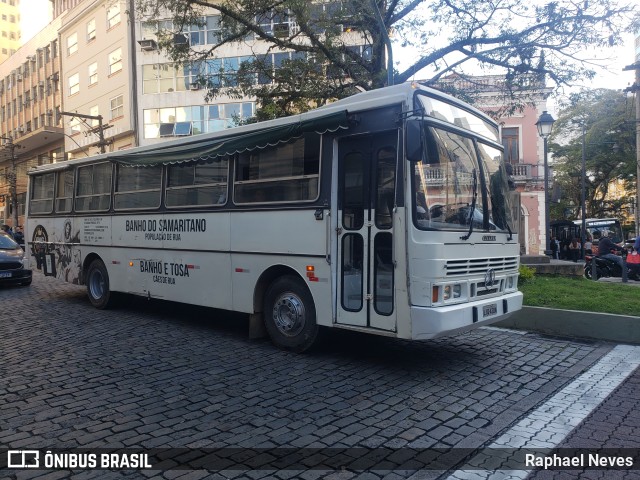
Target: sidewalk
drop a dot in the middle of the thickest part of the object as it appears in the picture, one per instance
(555, 265)
(619, 280)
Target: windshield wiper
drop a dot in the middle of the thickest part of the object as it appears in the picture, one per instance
(472, 210)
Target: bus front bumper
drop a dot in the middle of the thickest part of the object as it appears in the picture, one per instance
(434, 322)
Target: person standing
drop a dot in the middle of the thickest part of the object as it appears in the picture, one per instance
(574, 250)
(7, 230)
(588, 246)
(633, 264)
(555, 248)
(18, 236)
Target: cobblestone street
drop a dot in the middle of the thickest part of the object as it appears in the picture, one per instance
(154, 375)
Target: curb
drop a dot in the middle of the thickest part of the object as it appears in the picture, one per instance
(574, 323)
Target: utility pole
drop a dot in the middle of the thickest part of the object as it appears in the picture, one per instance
(99, 130)
(12, 179)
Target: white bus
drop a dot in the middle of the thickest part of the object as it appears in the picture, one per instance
(387, 212)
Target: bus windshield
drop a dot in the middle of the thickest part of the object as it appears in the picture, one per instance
(448, 184)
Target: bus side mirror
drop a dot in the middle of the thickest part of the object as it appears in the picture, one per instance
(413, 140)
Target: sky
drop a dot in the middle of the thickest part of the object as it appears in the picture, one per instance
(35, 15)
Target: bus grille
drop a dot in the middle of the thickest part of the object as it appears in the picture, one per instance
(479, 266)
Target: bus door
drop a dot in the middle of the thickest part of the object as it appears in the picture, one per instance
(366, 194)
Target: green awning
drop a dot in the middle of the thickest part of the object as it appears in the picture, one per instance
(208, 148)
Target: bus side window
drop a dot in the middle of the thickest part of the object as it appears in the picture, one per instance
(288, 172)
(137, 187)
(42, 194)
(197, 184)
(64, 191)
(93, 190)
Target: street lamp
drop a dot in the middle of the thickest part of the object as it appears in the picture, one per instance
(544, 125)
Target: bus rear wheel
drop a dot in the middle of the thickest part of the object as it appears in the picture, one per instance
(98, 285)
(290, 314)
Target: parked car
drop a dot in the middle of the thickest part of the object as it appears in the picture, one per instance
(12, 271)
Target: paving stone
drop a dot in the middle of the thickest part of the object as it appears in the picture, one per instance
(169, 376)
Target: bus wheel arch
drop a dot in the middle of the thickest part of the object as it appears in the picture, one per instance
(96, 278)
(287, 308)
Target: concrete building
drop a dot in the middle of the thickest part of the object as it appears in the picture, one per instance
(171, 103)
(9, 28)
(30, 104)
(98, 78)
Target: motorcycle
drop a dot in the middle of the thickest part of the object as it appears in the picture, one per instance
(605, 268)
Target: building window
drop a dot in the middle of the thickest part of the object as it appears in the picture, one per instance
(117, 107)
(113, 16)
(510, 140)
(72, 44)
(93, 73)
(74, 84)
(115, 61)
(194, 120)
(154, 30)
(94, 112)
(91, 30)
(74, 125)
(195, 33)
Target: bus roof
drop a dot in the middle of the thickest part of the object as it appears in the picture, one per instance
(328, 118)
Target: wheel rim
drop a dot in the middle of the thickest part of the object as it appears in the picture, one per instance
(289, 314)
(96, 284)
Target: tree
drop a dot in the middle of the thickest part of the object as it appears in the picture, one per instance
(609, 138)
(338, 47)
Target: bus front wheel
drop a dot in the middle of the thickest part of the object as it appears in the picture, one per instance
(98, 285)
(290, 314)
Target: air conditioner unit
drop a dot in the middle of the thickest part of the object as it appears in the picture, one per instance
(180, 39)
(148, 45)
(56, 76)
(41, 83)
(31, 58)
(20, 129)
(19, 77)
(195, 86)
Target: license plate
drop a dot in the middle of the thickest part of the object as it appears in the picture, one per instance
(489, 310)
(5, 274)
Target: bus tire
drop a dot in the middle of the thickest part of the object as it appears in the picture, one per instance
(98, 290)
(290, 314)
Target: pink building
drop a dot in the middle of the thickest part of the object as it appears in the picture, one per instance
(524, 149)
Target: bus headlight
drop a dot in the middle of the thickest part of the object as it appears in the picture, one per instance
(452, 291)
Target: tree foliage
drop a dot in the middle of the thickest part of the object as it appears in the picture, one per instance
(445, 37)
(609, 141)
